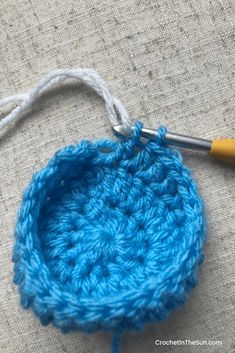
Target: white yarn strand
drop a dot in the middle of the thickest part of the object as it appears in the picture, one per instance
(117, 113)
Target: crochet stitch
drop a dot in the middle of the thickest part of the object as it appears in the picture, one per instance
(109, 236)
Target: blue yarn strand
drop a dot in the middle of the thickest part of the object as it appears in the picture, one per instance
(116, 341)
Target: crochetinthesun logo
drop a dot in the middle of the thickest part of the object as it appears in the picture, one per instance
(188, 343)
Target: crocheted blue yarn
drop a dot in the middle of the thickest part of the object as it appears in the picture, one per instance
(109, 235)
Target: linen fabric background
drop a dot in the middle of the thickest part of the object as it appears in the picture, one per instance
(171, 63)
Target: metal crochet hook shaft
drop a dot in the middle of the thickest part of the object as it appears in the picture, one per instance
(171, 138)
(221, 148)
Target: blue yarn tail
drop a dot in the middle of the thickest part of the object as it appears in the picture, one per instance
(116, 341)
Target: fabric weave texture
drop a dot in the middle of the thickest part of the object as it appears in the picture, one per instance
(109, 235)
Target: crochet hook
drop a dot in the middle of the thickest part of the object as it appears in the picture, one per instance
(223, 149)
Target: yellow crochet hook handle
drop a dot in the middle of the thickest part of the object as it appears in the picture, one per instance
(223, 149)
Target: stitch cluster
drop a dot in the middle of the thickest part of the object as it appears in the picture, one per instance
(109, 235)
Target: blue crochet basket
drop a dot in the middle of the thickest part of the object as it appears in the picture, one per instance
(109, 235)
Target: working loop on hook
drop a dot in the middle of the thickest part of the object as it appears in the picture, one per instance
(116, 111)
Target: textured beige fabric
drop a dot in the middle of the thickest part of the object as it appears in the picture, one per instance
(170, 62)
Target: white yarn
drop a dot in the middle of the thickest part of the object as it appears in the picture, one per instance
(117, 114)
